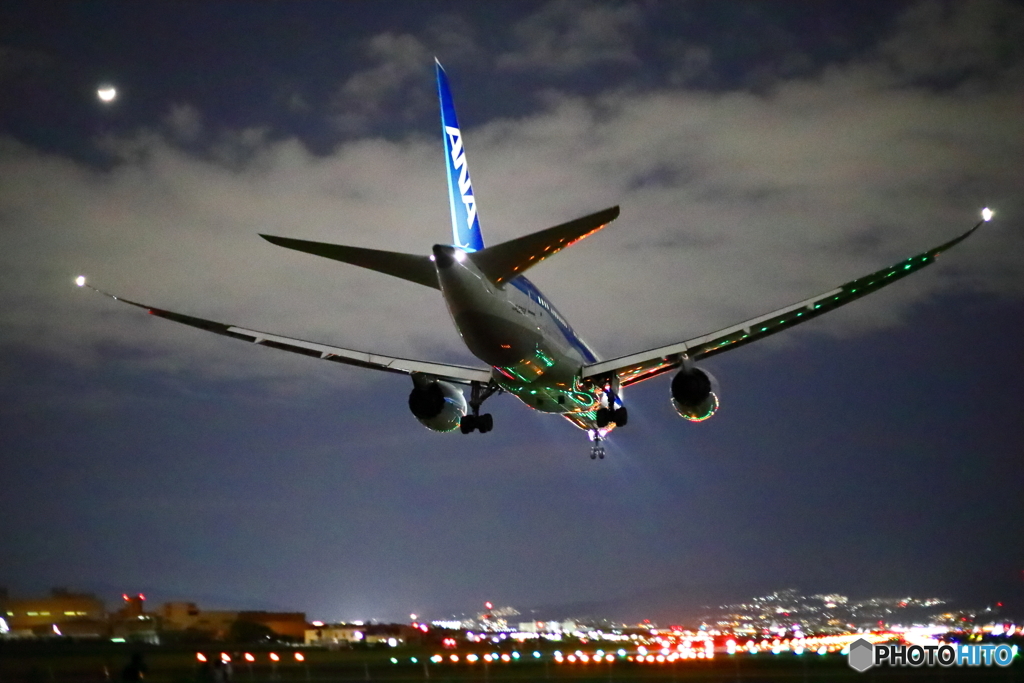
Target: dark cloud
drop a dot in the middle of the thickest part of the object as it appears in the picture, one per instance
(945, 43)
(567, 35)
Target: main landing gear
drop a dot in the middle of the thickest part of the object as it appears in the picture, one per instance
(475, 421)
(609, 414)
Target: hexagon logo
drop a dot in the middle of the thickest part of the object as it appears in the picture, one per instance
(862, 655)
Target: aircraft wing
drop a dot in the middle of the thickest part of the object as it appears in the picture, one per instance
(647, 364)
(459, 374)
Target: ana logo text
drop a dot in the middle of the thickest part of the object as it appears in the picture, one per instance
(459, 162)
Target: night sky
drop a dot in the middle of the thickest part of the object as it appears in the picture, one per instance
(761, 153)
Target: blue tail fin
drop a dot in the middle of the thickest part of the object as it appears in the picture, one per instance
(465, 222)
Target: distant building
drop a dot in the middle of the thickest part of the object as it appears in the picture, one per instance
(548, 627)
(334, 635)
(181, 616)
(37, 615)
(346, 635)
(290, 624)
(184, 616)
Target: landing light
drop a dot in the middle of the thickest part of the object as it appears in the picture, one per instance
(80, 281)
(986, 214)
(460, 256)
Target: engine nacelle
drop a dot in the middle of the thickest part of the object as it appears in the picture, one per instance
(438, 405)
(694, 394)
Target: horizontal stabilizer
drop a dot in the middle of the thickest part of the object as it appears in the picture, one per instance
(418, 269)
(507, 260)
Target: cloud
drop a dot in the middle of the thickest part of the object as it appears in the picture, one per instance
(942, 43)
(399, 60)
(566, 35)
(397, 86)
(185, 123)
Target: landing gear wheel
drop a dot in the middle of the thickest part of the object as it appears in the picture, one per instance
(475, 421)
(603, 417)
(479, 423)
(620, 417)
(485, 423)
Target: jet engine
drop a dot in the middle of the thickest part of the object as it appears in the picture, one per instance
(438, 405)
(693, 394)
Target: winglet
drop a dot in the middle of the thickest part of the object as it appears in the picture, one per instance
(461, 199)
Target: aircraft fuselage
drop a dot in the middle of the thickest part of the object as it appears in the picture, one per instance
(533, 352)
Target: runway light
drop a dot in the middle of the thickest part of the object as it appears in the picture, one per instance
(249, 658)
(200, 657)
(274, 657)
(299, 657)
(986, 214)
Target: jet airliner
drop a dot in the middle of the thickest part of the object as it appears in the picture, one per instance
(529, 348)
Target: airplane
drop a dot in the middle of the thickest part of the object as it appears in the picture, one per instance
(529, 348)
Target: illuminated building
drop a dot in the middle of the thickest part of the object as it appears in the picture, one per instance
(346, 635)
(62, 607)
